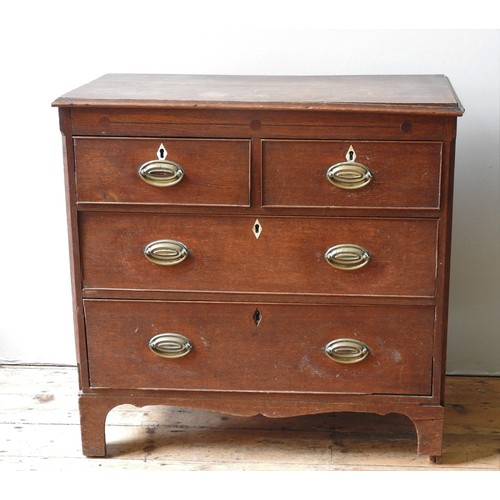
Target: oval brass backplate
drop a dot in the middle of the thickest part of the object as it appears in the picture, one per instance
(349, 175)
(346, 351)
(166, 252)
(170, 345)
(161, 173)
(347, 256)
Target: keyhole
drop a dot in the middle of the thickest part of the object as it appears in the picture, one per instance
(257, 229)
(257, 317)
(162, 152)
(351, 154)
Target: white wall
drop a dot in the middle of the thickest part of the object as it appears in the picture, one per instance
(51, 47)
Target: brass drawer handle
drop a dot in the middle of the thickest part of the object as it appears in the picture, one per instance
(166, 252)
(347, 256)
(161, 173)
(170, 345)
(349, 175)
(346, 351)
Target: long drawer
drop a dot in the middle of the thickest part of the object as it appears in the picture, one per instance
(259, 347)
(359, 174)
(163, 171)
(311, 255)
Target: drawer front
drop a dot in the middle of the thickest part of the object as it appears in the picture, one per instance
(212, 172)
(285, 351)
(391, 175)
(223, 254)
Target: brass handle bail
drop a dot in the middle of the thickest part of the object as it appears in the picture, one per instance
(349, 175)
(346, 351)
(170, 345)
(161, 173)
(347, 256)
(166, 252)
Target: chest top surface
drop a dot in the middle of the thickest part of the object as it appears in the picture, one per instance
(417, 94)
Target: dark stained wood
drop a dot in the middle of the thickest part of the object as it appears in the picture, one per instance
(223, 123)
(74, 244)
(409, 93)
(273, 137)
(288, 257)
(428, 419)
(285, 298)
(405, 174)
(256, 210)
(92, 424)
(284, 353)
(216, 172)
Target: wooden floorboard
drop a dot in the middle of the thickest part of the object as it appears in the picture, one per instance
(39, 430)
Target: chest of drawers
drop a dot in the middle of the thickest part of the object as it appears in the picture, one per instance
(261, 245)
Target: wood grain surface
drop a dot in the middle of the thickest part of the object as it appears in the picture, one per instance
(216, 172)
(39, 425)
(284, 352)
(288, 257)
(405, 174)
(411, 93)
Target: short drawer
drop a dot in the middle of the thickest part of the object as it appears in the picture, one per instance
(163, 171)
(351, 174)
(222, 347)
(291, 255)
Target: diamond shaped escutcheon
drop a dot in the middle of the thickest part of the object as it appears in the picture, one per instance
(257, 228)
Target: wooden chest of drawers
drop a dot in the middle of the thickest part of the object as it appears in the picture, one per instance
(272, 245)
